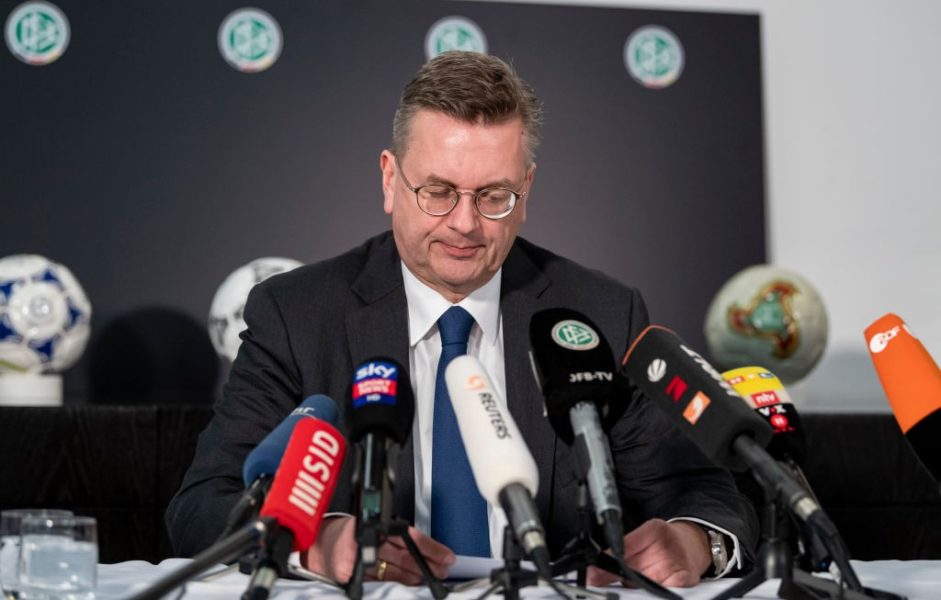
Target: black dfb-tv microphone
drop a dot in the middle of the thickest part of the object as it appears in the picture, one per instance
(575, 368)
(383, 408)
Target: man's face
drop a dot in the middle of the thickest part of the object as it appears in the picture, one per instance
(459, 252)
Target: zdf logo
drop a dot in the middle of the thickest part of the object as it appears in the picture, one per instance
(880, 341)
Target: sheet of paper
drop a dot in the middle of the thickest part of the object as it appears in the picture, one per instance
(474, 567)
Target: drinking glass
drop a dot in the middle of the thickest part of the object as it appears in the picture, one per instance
(59, 557)
(10, 523)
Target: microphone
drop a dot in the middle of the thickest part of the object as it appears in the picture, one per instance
(300, 493)
(383, 408)
(503, 467)
(575, 368)
(765, 394)
(708, 410)
(266, 456)
(262, 462)
(912, 383)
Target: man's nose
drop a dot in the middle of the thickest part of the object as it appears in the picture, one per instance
(464, 218)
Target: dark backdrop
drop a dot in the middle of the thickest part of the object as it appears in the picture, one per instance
(152, 169)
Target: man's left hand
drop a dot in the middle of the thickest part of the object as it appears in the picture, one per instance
(672, 554)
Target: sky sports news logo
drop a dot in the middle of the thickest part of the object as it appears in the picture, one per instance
(375, 383)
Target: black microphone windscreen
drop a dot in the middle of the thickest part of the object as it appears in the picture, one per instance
(382, 400)
(573, 363)
(925, 438)
(693, 394)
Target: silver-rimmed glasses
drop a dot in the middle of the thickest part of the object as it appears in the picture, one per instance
(438, 199)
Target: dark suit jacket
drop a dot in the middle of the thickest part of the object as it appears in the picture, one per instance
(308, 328)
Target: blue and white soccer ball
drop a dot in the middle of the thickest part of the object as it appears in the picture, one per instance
(225, 313)
(45, 317)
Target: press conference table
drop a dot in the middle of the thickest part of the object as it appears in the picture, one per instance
(917, 579)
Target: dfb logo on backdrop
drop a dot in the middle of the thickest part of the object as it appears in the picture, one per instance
(37, 33)
(654, 57)
(454, 33)
(250, 40)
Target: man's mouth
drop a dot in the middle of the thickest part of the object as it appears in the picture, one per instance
(460, 251)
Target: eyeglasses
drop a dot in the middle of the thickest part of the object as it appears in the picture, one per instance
(438, 199)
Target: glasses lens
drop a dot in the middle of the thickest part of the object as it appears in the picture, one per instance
(496, 202)
(437, 199)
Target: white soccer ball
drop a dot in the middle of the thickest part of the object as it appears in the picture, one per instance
(225, 313)
(45, 317)
(770, 317)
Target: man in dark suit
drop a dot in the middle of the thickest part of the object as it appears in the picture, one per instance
(466, 126)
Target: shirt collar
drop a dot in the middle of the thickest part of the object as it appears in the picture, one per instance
(425, 307)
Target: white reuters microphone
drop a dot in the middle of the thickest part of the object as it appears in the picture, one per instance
(503, 466)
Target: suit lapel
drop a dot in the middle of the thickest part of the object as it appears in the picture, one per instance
(380, 328)
(523, 283)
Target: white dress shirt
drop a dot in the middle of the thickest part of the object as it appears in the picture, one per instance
(425, 307)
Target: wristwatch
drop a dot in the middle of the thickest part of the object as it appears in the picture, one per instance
(720, 552)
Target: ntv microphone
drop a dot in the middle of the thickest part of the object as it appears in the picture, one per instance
(262, 462)
(575, 368)
(383, 408)
(300, 493)
(765, 394)
(912, 383)
(503, 467)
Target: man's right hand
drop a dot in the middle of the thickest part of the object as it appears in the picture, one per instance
(334, 554)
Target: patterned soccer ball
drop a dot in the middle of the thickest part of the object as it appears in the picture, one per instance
(770, 317)
(225, 313)
(45, 317)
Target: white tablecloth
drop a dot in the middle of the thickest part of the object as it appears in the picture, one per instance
(919, 580)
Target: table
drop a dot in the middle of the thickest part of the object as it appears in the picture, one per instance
(918, 579)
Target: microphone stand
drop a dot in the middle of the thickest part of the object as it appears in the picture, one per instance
(512, 577)
(776, 561)
(582, 551)
(376, 531)
(223, 551)
(271, 563)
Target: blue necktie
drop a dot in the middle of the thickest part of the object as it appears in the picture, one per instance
(458, 512)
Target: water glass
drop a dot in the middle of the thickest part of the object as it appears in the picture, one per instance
(10, 524)
(59, 557)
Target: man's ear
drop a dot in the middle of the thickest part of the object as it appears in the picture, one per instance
(529, 188)
(389, 175)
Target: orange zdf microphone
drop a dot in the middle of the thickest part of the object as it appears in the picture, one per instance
(912, 383)
(299, 496)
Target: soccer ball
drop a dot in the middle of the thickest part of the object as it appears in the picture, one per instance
(225, 313)
(45, 317)
(769, 317)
